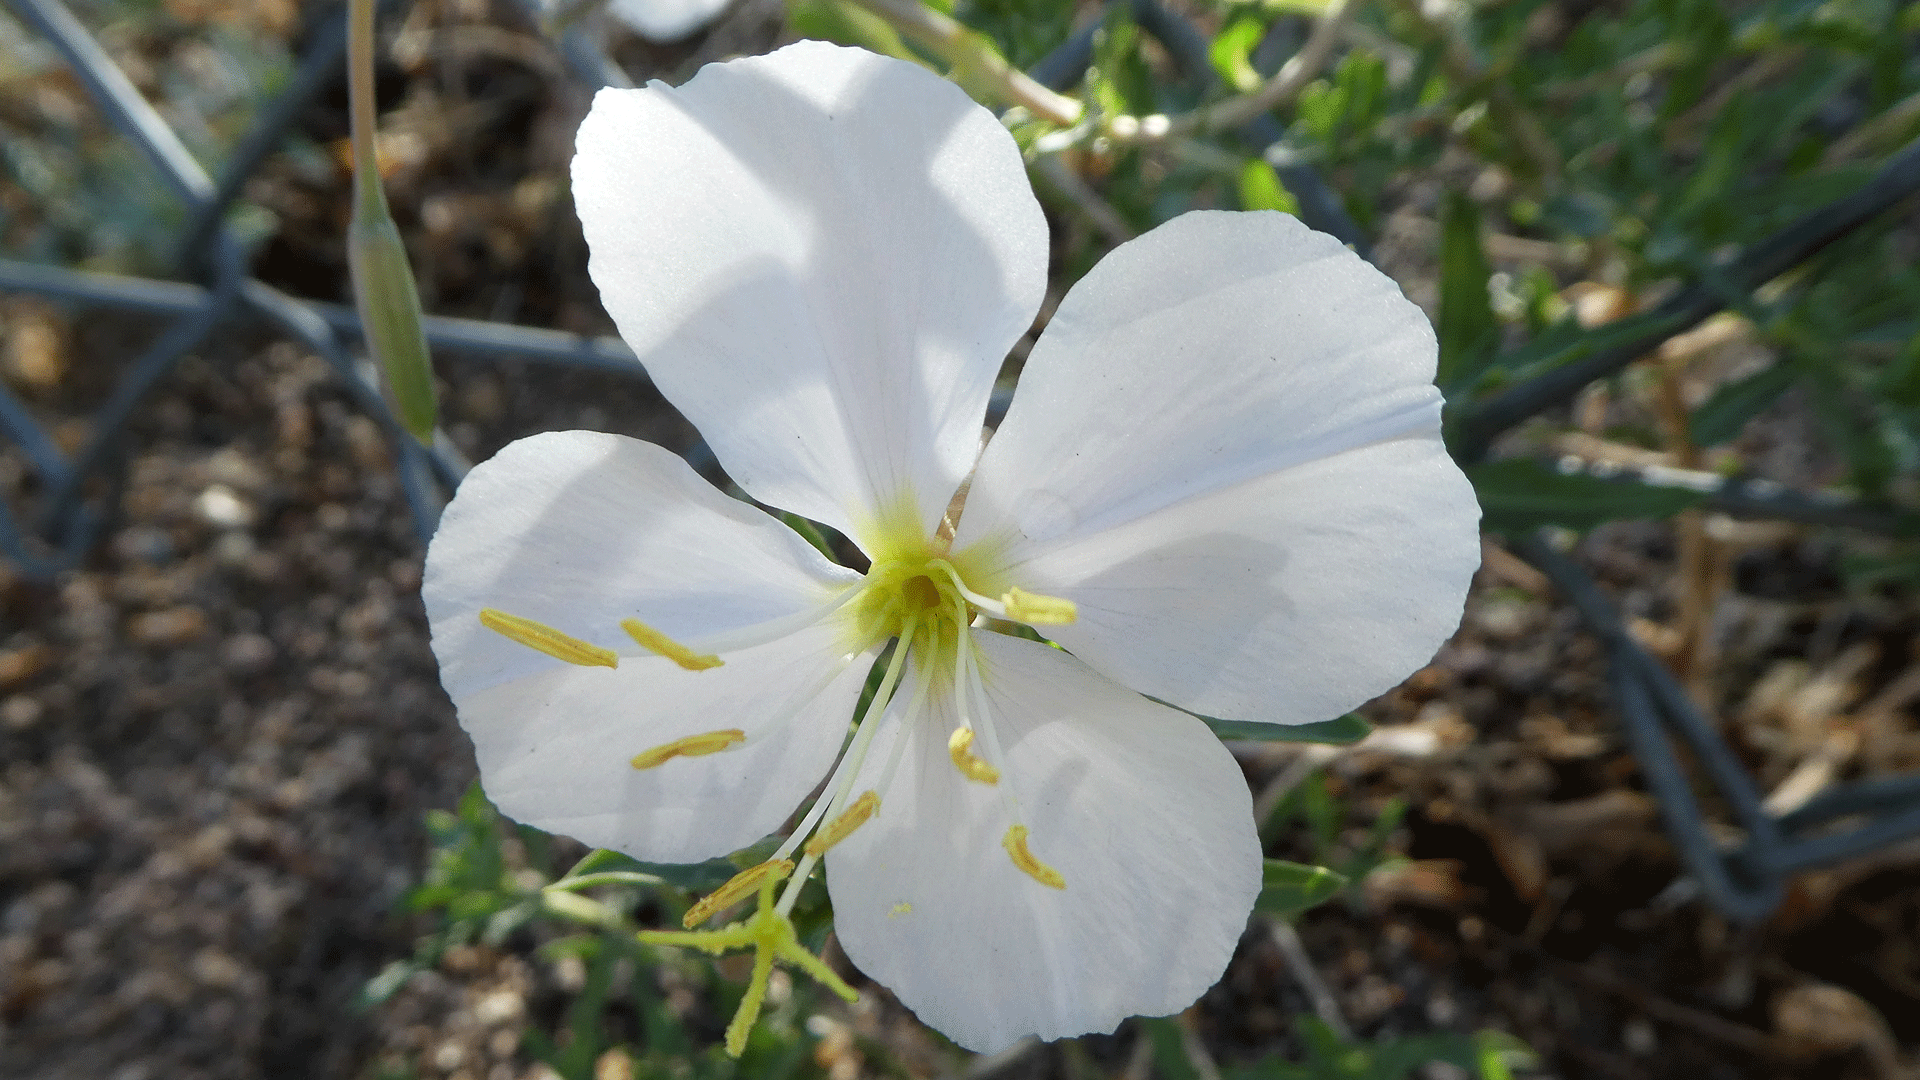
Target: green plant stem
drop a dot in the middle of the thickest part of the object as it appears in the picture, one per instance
(369, 197)
(1285, 84)
(383, 285)
(973, 59)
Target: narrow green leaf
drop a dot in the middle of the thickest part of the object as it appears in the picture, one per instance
(1170, 1058)
(1289, 889)
(1232, 53)
(847, 24)
(602, 864)
(1261, 189)
(1722, 416)
(1468, 329)
(809, 531)
(1340, 731)
(1523, 494)
(387, 983)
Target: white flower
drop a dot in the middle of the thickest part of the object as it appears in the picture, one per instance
(1221, 485)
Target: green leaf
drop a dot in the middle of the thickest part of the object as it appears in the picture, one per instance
(692, 877)
(1232, 53)
(1522, 494)
(387, 983)
(809, 531)
(1289, 889)
(1340, 731)
(847, 24)
(1261, 189)
(1722, 416)
(1469, 331)
(1170, 1058)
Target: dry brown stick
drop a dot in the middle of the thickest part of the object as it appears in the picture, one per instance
(1718, 1029)
(1700, 557)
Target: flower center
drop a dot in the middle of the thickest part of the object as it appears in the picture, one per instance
(919, 599)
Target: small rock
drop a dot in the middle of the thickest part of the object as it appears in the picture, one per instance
(20, 712)
(143, 544)
(247, 653)
(499, 1007)
(211, 967)
(19, 665)
(220, 506)
(170, 628)
(234, 547)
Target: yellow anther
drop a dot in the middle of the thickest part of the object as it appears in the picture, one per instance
(548, 640)
(960, 749)
(1036, 609)
(736, 890)
(842, 826)
(899, 909)
(707, 742)
(656, 642)
(1016, 844)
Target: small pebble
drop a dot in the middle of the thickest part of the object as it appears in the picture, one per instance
(172, 627)
(220, 506)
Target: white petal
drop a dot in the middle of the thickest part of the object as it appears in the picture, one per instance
(578, 530)
(1287, 599)
(1218, 347)
(822, 256)
(554, 748)
(666, 20)
(1139, 808)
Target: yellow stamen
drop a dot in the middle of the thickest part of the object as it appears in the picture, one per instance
(1016, 844)
(736, 890)
(899, 909)
(707, 742)
(841, 827)
(548, 640)
(960, 749)
(1037, 609)
(654, 641)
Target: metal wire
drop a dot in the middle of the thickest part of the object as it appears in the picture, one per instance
(1744, 882)
(1606, 351)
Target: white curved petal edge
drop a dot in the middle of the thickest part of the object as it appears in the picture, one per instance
(822, 257)
(555, 748)
(666, 21)
(1140, 809)
(1217, 348)
(579, 530)
(1287, 599)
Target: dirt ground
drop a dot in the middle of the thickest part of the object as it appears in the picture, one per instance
(218, 738)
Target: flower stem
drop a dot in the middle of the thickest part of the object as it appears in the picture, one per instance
(383, 286)
(974, 59)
